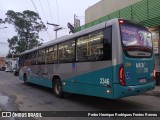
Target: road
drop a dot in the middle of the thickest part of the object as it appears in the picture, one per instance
(16, 96)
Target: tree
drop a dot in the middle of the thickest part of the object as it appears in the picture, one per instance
(27, 24)
(1, 21)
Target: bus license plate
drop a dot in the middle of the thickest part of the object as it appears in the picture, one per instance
(142, 80)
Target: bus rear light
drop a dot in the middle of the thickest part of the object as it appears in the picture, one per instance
(108, 91)
(122, 80)
(154, 72)
(121, 21)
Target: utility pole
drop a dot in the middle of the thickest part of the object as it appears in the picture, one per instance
(56, 28)
(76, 21)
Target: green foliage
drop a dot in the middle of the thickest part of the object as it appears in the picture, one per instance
(27, 25)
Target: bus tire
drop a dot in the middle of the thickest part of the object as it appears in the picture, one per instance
(57, 88)
(25, 79)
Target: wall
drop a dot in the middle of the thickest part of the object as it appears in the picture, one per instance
(2, 62)
(145, 12)
(105, 7)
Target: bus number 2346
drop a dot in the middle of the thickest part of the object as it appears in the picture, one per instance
(104, 81)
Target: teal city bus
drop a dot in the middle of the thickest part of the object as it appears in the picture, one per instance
(113, 60)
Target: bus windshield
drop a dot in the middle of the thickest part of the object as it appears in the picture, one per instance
(136, 40)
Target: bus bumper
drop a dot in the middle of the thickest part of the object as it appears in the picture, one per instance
(124, 91)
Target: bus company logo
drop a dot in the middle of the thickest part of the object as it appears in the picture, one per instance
(104, 81)
(140, 65)
(128, 64)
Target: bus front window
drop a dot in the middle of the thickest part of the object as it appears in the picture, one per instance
(136, 40)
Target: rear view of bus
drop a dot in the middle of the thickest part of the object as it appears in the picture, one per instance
(136, 73)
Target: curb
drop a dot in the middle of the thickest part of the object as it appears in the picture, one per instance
(155, 92)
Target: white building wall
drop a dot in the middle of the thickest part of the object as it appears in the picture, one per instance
(105, 7)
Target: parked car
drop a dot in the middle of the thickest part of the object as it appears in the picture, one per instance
(8, 70)
(2, 68)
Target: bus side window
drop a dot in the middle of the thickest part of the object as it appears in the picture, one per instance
(96, 46)
(36, 57)
(43, 56)
(90, 47)
(81, 48)
(22, 60)
(55, 54)
(39, 57)
(108, 43)
(66, 52)
(32, 58)
(50, 55)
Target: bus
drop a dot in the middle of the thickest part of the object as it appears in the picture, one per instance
(113, 59)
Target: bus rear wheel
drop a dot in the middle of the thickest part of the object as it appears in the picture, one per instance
(57, 88)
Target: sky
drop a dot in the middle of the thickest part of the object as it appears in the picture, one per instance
(53, 11)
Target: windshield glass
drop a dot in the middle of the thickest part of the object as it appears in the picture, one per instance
(134, 36)
(136, 40)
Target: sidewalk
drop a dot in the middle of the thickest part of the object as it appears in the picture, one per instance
(157, 88)
(155, 92)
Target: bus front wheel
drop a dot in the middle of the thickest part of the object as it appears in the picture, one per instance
(57, 88)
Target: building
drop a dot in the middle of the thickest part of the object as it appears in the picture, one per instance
(146, 12)
(106, 7)
(2, 62)
(12, 63)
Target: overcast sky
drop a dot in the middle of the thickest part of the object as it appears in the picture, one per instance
(54, 11)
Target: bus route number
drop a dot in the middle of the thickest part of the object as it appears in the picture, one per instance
(104, 81)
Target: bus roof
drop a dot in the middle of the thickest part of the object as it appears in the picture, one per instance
(70, 37)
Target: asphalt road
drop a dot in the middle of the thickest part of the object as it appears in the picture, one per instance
(16, 96)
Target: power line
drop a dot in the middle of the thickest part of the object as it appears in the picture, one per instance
(57, 11)
(44, 15)
(50, 11)
(41, 20)
(42, 10)
(56, 28)
(35, 7)
(48, 34)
